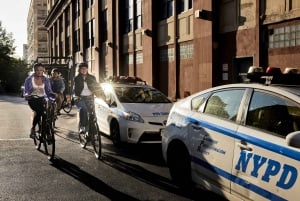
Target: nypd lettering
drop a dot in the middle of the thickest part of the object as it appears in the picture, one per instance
(287, 174)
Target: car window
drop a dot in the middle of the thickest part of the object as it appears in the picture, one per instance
(225, 104)
(198, 101)
(273, 113)
(140, 95)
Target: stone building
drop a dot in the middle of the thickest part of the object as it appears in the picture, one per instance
(178, 46)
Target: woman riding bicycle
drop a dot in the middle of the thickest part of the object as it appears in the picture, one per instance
(36, 87)
(85, 87)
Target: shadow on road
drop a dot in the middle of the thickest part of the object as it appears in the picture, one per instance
(158, 181)
(89, 180)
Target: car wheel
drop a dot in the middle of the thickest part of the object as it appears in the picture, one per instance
(179, 164)
(115, 133)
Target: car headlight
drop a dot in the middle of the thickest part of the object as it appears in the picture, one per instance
(131, 116)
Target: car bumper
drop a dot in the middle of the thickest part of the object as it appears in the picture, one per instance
(134, 132)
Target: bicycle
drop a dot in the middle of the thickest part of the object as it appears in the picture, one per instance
(92, 134)
(67, 104)
(46, 134)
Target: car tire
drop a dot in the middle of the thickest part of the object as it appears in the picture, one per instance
(115, 133)
(179, 164)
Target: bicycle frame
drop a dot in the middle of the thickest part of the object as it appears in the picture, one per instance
(93, 135)
(46, 133)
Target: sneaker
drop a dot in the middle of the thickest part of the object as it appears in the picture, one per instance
(32, 133)
(82, 130)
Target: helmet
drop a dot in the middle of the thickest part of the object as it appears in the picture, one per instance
(54, 70)
(83, 64)
(36, 65)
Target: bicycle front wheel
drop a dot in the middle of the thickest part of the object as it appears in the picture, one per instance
(82, 139)
(67, 107)
(96, 140)
(50, 142)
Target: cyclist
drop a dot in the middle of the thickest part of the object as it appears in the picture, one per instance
(58, 87)
(85, 88)
(36, 87)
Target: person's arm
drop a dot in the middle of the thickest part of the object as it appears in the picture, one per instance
(48, 89)
(27, 86)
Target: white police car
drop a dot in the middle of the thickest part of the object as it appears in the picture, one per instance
(241, 141)
(131, 111)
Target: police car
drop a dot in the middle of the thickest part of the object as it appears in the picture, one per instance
(131, 111)
(241, 141)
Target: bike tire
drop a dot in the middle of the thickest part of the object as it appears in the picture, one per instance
(82, 139)
(49, 142)
(96, 139)
(67, 107)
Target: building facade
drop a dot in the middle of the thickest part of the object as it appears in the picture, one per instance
(37, 34)
(178, 46)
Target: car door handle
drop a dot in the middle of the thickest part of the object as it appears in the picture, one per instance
(243, 146)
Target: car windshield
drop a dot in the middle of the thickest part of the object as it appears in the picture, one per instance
(140, 95)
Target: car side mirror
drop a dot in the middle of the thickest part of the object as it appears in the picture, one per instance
(293, 139)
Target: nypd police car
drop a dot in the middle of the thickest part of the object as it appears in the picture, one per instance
(241, 140)
(131, 111)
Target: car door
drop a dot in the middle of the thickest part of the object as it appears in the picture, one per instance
(212, 130)
(103, 112)
(264, 166)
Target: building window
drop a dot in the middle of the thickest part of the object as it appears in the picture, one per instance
(76, 9)
(288, 36)
(67, 46)
(128, 16)
(138, 16)
(76, 40)
(133, 15)
(104, 27)
(89, 34)
(184, 5)
(67, 16)
(88, 3)
(167, 9)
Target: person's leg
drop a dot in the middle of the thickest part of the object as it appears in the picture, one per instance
(36, 104)
(59, 100)
(82, 114)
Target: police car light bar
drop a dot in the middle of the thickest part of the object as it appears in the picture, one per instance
(265, 78)
(127, 80)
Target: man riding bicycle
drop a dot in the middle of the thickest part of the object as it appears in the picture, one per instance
(36, 87)
(85, 88)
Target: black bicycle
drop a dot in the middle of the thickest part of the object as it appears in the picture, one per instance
(46, 134)
(92, 135)
(67, 104)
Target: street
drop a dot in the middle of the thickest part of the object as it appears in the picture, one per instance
(132, 172)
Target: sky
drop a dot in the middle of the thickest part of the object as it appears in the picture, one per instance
(13, 15)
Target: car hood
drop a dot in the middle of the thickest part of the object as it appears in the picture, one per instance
(148, 109)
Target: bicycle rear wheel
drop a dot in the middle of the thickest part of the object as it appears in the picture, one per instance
(67, 107)
(49, 142)
(96, 139)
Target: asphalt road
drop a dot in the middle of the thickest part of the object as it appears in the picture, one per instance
(132, 172)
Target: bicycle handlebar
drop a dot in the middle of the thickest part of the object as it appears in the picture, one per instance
(50, 97)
